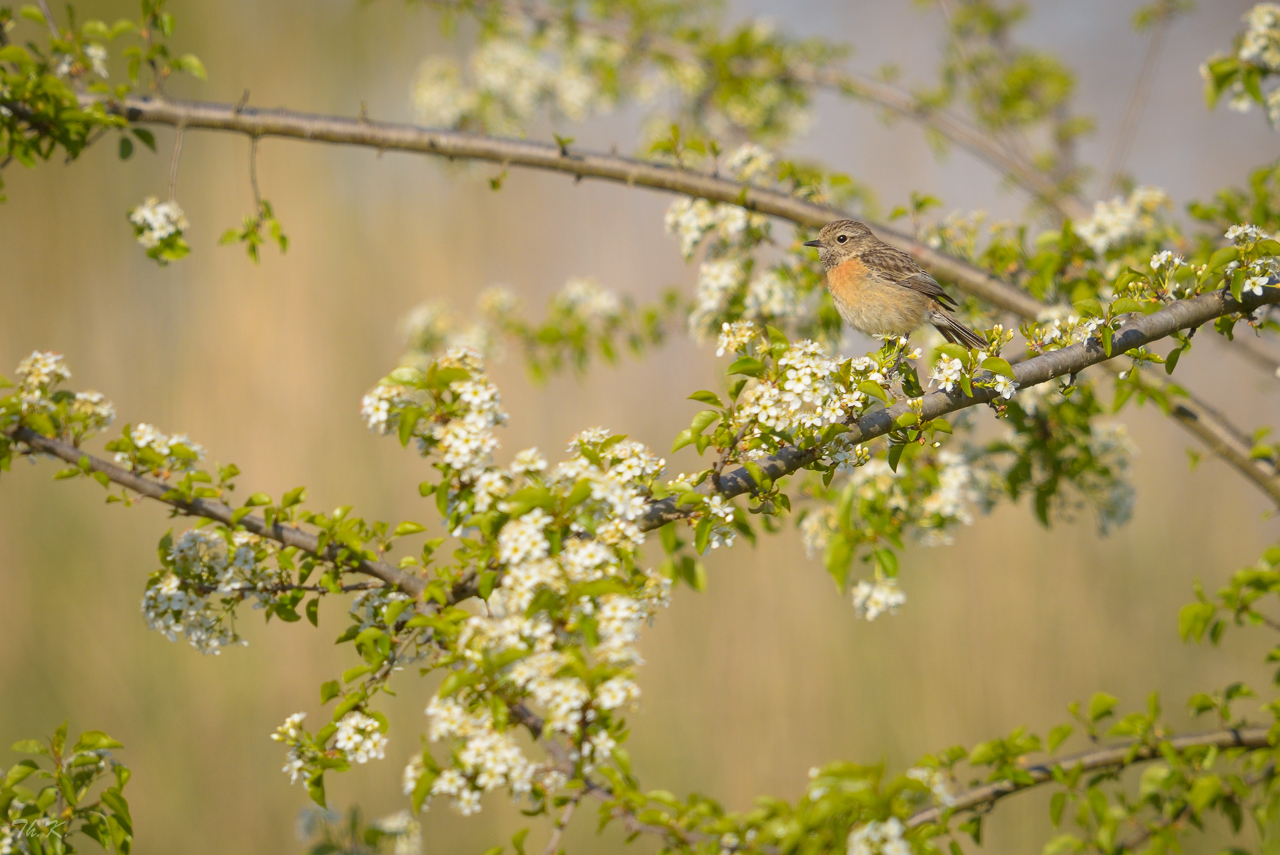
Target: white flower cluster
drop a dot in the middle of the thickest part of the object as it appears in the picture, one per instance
(180, 600)
(772, 299)
(1122, 219)
(97, 56)
(735, 337)
(488, 759)
(380, 408)
(178, 452)
(693, 220)
(43, 369)
(39, 373)
(587, 300)
(718, 281)
(879, 838)
(749, 161)
(462, 434)
(872, 599)
(1261, 272)
(156, 220)
(946, 373)
(405, 829)
(360, 737)
(950, 502)
(808, 395)
(1260, 44)
(292, 734)
(516, 72)
(937, 781)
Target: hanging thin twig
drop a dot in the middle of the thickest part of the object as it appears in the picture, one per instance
(173, 165)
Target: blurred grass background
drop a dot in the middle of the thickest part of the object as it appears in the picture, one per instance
(746, 686)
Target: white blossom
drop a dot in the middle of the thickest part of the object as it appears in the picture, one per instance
(360, 738)
(157, 220)
(872, 599)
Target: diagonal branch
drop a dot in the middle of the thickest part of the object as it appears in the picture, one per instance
(219, 512)
(1195, 416)
(1118, 756)
(1142, 330)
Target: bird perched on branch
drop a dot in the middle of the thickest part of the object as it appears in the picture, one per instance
(879, 290)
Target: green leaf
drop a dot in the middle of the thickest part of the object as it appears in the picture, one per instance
(126, 148)
(406, 528)
(707, 398)
(192, 65)
(1057, 736)
(145, 137)
(315, 788)
(1089, 307)
(94, 740)
(1222, 258)
(257, 499)
(703, 420)
(329, 690)
(748, 365)
(996, 365)
(685, 437)
(459, 680)
(1056, 804)
(352, 673)
(905, 420)
(1101, 705)
(887, 561)
(1194, 619)
(1204, 792)
(30, 746)
(1125, 306)
(873, 389)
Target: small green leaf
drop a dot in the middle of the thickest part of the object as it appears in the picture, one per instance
(329, 690)
(707, 398)
(996, 365)
(748, 365)
(1101, 705)
(406, 528)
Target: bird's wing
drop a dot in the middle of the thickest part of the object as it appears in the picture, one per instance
(892, 265)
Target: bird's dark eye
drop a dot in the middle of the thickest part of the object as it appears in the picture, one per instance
(842, 238)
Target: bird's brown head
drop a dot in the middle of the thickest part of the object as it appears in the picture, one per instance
(840, 240)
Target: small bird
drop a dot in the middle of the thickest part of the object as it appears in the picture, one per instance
(879, 290)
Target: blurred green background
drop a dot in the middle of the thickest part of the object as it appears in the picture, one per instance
(747, 685)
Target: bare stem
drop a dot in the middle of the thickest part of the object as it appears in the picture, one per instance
(1110, 757)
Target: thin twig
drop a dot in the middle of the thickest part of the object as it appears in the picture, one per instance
(48, 17)
(219, 512)
(1106, 758)
(558, 831)
(173, 163)
(253, 175)
(1141, 89)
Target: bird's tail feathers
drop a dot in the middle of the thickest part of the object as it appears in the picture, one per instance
(955, 332)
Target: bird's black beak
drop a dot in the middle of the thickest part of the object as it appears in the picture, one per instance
(813, 243)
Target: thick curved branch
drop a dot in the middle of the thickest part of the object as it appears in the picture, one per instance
(1104, 758)
(1197, 417)
(219, 512)
(1142, 330)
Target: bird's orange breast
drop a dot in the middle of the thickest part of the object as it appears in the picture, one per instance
(847, 278)
(873, 304)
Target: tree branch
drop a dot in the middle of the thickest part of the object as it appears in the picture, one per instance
(1195, 416)
(220, 512)
(1142, 330)
(1117, 756)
